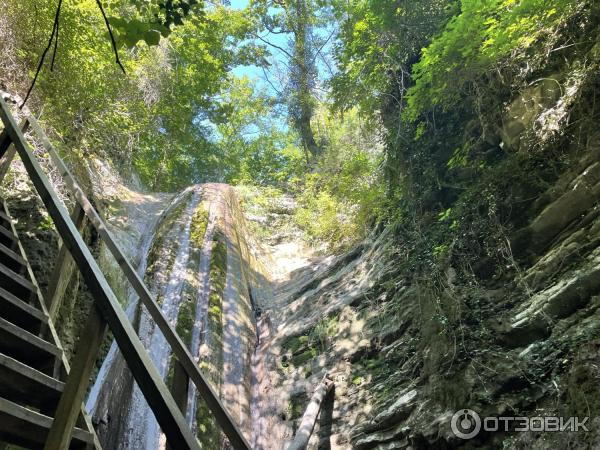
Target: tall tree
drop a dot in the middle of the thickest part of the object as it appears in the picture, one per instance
(298, 20)
(303, 72)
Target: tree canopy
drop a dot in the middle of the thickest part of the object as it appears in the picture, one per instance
(259, 94)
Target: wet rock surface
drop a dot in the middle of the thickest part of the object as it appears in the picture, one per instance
(405, 356)
(196, 261)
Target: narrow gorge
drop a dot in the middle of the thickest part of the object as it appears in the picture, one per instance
(299, 224)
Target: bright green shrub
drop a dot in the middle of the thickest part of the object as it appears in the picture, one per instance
(481, 35)
(344, 195)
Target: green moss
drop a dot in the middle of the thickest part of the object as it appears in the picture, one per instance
(296, 406)
(301, 350)
(374, 363)
(218, 274)
(46, 222)
(199, 224)
(185, 318)
(295, 343)
(304, 357)
(209, 432)
(185, 321)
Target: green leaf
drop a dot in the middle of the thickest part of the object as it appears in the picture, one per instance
(152, 37)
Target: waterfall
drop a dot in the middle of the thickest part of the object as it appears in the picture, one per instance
(145, 432)
(201, 319)
(191, 255)
(148, 235)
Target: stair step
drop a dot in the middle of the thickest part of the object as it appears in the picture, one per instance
(21, 384)
(27, 348)
(4, 219)
(7, 238)
(12, 260)
(22, 314)
(21, 426)
(16, 284)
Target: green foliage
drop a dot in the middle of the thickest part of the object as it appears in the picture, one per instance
(256, 147)
(130, 32)
(46, 222)
(151, 19)
(342, 198)
(323, 331)
(299, 20)
(485, 32)
(156, 119)
(379, 40)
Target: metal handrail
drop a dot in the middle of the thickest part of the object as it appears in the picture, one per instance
(152, 386)
(183, 355)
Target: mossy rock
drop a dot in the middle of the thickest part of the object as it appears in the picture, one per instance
(199, 224)
(304, 357)
(297, 405)
(185, 318)
(295, 344)
(583, 391)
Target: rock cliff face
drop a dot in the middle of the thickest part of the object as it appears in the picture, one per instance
(268, 318)
(200, 262)
(405, 357)
(213, 279)
(197, 262)
(511, 336)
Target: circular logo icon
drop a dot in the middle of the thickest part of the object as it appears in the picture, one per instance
(465, 423)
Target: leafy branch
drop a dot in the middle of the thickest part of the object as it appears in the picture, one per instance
(43, 57)
(110, 33)
(54, 39)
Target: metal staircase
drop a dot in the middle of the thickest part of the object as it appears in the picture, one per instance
(41, 399)
(32, 367)
(40, 395)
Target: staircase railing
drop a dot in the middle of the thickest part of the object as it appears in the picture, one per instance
(108, 312)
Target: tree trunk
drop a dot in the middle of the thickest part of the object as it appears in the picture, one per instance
(302, 73)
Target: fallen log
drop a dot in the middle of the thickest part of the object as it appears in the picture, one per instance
(307, 424)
